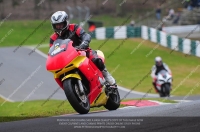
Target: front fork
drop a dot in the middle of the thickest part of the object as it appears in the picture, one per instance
(80, 87)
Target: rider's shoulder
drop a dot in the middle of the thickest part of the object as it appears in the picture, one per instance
(54, 36)
(165, 64)
(153, 67)
(72, 26)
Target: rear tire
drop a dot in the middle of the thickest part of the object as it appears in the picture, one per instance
(80, 104)
(113, 102)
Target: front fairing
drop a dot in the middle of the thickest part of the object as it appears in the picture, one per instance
(60, 54)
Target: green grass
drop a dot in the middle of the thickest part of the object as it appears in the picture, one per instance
(128, 69)
(12, 111)
(14, 33)
(1, 100)
(24, 32)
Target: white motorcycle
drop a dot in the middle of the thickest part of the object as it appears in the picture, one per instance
(163, 83)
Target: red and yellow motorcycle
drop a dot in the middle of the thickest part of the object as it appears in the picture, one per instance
(81, 80)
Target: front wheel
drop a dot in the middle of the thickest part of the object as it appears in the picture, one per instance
(166, 90)
(78, 101)
(113, 101)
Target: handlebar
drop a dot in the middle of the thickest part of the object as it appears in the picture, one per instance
(78, 49)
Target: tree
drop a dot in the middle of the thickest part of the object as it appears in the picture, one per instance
(119, 4)
(2, 9)
(15, 3)
(37, 9)
(97, 6)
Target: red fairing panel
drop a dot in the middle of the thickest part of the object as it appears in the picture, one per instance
(62, 59)
(59, 82)
(92, 73)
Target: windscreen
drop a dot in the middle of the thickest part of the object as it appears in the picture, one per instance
(58, 46)
(163, 73)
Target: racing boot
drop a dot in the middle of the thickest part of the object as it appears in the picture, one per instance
(108, 77)
(154, 84)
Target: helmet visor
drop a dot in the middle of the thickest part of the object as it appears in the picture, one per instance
(60, 26)
(158, 63)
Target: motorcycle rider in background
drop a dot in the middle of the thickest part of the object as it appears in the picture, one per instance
(159, 65)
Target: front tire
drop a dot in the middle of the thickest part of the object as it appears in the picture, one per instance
(79, 102)
(113, 102)
(166, 90)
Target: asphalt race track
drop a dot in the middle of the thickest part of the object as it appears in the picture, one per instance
(183, 117)
(22, 73)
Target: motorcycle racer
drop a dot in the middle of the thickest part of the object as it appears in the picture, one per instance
(63, 30)
(159, 65)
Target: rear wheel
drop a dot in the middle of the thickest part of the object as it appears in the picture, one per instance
(113, 102)
(78, 101)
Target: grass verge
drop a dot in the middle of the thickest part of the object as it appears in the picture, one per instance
(14, 111)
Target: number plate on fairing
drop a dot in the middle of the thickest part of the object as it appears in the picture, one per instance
(57, 50)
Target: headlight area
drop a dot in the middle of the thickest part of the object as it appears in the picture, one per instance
(169, 80)
(161, 80)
